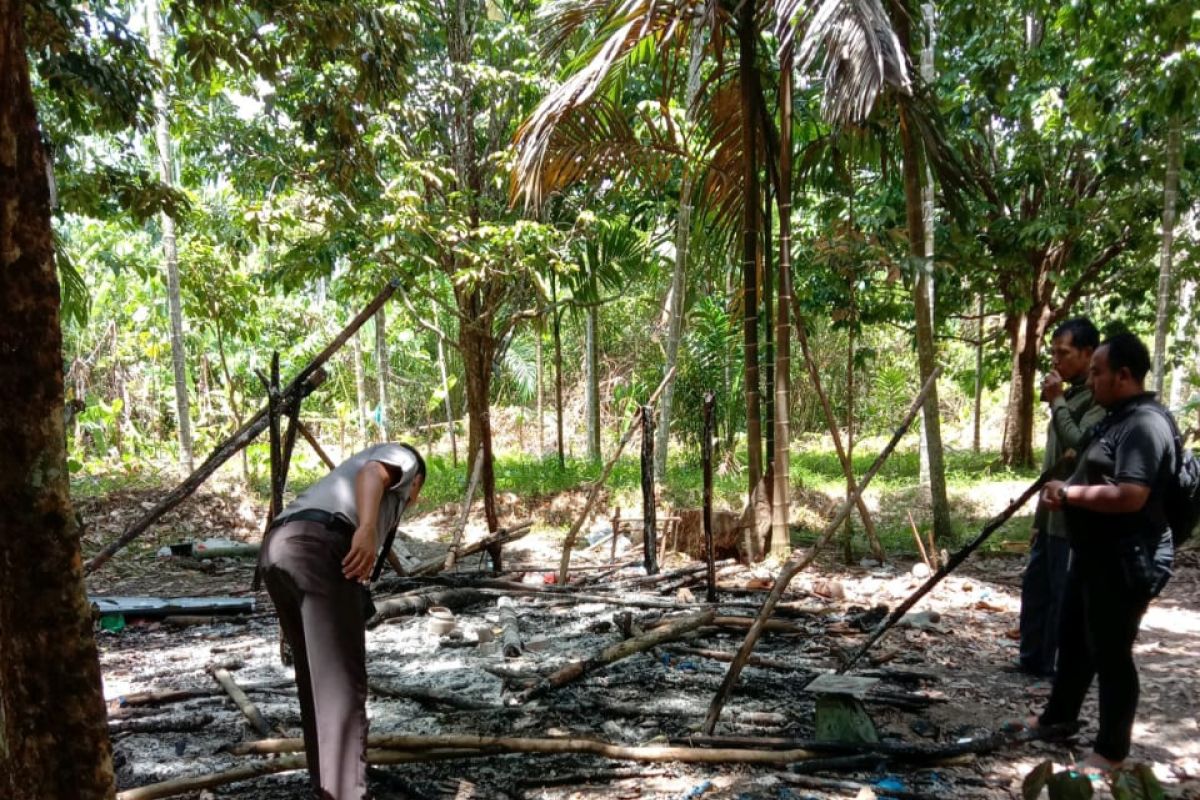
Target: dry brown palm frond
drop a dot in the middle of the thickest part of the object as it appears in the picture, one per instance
(861, 52)
(723, 181)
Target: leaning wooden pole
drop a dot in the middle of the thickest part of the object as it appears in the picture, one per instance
(951, 563)
(831, 422)
(795, 565)
(464, 513)
(564, 563)
(305, 381)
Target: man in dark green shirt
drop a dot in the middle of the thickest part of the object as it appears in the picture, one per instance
(1072, 415)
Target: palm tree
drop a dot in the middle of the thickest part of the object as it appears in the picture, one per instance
(580, 132)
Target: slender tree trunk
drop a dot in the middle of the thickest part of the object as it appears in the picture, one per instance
(53, 727)
(592, 381)
(360, 387)
(748, 41)
(768, 329)
(927, 220)
(1162, 318)
(913, 171)
(1180, 371)
(441, 348)
(162, 136)
(478, 348)
(381, 370)
(541, 382)
(780, 500)
(558, 387)
(978, 378)
(683, 229)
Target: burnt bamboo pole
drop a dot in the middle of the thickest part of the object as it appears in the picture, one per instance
(795, 565)
(951, 563)
(310, 377)
(706, 457)
(564, 563)
(649, 534)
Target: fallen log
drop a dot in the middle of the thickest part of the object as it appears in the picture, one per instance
(427, 696)
(474, 746)
(616, 652)
(162, 723)
(453, 599)
(795, 565)
(248, 709)
(510, 638)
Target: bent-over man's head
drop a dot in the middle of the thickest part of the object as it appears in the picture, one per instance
(1118, 370)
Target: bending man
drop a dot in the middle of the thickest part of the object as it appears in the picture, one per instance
(316, 560)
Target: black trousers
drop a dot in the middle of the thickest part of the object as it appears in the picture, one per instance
(321, 614)
(1100, 619)
(1042, 590)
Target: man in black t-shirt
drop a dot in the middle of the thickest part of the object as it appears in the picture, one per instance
(1120, 547)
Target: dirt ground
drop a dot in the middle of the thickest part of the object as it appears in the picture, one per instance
(939, 681)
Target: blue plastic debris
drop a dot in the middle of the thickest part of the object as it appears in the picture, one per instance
(889, 784)
(697, 790)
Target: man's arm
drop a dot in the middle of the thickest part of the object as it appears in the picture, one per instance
(1121, 498)
(1072, 434)
(372, 480)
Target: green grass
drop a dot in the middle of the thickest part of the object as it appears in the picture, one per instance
(815, 471)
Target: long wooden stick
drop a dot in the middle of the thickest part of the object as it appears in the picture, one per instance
(307, 433)
(248, 709)
(616, 652)
(565, 562)
(460, 526)
(490, 745)
(794, 565)
(308, 379)
(710, 589)
(951, 563)
(847, 467)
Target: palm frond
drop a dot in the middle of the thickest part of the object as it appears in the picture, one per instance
(861, 53)
(627, 27)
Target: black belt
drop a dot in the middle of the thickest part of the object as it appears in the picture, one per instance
(331, 521)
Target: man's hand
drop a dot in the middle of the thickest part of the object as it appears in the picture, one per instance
(1052, 386)
(357, 564)
(1050, 495)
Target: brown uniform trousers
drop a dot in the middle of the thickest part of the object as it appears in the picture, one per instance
(321, 614)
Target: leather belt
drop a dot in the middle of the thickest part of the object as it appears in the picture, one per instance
(331, 521)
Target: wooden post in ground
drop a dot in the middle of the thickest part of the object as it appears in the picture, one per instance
(649, 537)
(464, 513)
(794, 565)
(564, 562)
(706, 459)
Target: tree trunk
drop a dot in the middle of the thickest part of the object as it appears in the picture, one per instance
(978, 378)
(923, 305)
(1162, 318)
(162, 136)
(360, 388)
(53, 728)
(768, 344)
(558, 387)
(748, 41)
(441, 348)
(926, 468)
(381, 369)
(683, 229)
(1180, 371)
(478, 347)
(541, 394)
(1024, 333)
(780, 539)
(592, 381)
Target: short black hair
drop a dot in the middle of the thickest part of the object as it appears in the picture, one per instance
(417, 456)
(1128, 351)
(1082, 332)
